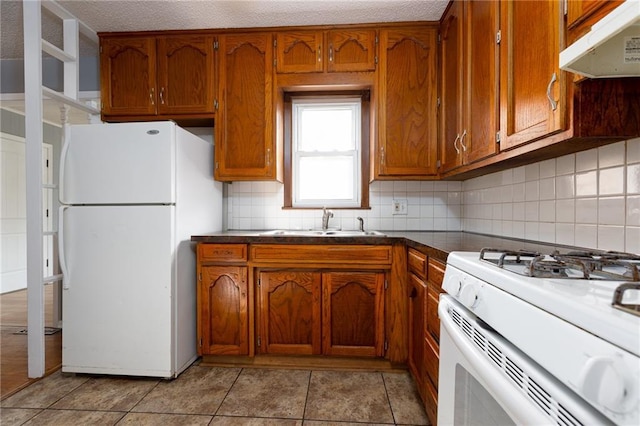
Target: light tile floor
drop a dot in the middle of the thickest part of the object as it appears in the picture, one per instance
(220, 396)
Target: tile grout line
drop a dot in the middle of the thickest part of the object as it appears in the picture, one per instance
(227, 393)
(386, 392)
(306, 398)
(141, 399)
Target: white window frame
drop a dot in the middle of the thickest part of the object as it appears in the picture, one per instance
(298, 106)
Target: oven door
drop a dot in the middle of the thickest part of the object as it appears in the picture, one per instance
(484, 380)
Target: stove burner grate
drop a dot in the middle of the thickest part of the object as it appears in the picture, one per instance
(587, 265)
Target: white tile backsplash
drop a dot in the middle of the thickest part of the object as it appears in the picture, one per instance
(589, 199)
(593, 202)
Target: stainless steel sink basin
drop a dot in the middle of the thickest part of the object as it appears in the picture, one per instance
(321, 233)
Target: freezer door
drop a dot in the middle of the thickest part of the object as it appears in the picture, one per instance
(118, 290)
(126, 163)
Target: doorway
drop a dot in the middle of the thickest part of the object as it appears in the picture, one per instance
(13, 275)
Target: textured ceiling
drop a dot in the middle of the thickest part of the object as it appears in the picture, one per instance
(144, 15)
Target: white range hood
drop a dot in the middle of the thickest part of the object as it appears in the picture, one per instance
(611, 48)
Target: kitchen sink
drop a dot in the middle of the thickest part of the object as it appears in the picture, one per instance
(321, 233)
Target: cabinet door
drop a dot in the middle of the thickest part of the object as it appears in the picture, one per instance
(582, 14)
(353, 313)
(128, 75)
(531, 84)
(223, 311)
(481, 112)
(244, 148)
(351, 50)
(185, 74)
(299, 51)
(290, 321)
(417, 325)
(407, 136)
(451, 73)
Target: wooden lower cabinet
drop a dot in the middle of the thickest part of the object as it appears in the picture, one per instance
(321, 313)
(353, 313)
(295, 302)
(289, 313)
(425, 284)
(223, 311)
(435, 276)
(417, 321)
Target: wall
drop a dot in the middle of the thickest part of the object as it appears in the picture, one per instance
(589, 199)
(12, 74)
(13, 208)
(431, 205)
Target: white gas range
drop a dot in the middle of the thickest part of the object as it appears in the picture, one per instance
(546, 327)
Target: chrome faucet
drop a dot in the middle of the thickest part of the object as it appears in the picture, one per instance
(326, 215)
(361, 220)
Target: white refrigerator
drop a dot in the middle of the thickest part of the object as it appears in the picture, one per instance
(132, 195)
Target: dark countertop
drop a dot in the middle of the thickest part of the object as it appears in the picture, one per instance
(437, 244)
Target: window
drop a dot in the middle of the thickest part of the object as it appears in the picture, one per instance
(326, 164)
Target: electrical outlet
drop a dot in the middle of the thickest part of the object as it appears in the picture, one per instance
(399, 207)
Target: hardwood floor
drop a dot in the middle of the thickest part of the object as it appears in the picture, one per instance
(13, 347)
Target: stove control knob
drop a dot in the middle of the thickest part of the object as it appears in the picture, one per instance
(469, 295)
(603, 382)
(453, 283)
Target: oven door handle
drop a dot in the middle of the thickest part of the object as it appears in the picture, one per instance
(515, 404)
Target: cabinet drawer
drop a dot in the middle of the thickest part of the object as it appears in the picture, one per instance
(222, 252)
(432, 360)
(431, 402)
(436, 272)
(433, 321)
(417, 263)
(321, 254)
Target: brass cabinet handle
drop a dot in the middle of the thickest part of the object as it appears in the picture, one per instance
(331, 53)
(268, 159)
(552, 102)
(319, 53)
(162, 95)
(152, 96)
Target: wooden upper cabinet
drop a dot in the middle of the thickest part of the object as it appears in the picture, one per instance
(290, 321)
(185, 74)
(351, 50)
(128, 75)
(469, 68)
(480, 109)
(353, 313)
(582, 14)
(299, 51)
(407, 108)
(170, 77)
(245, 142)
(452, 77)
(533, 102)
(325, 51)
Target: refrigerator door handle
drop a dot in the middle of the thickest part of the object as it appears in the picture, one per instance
(61, 253)
(63, 161)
